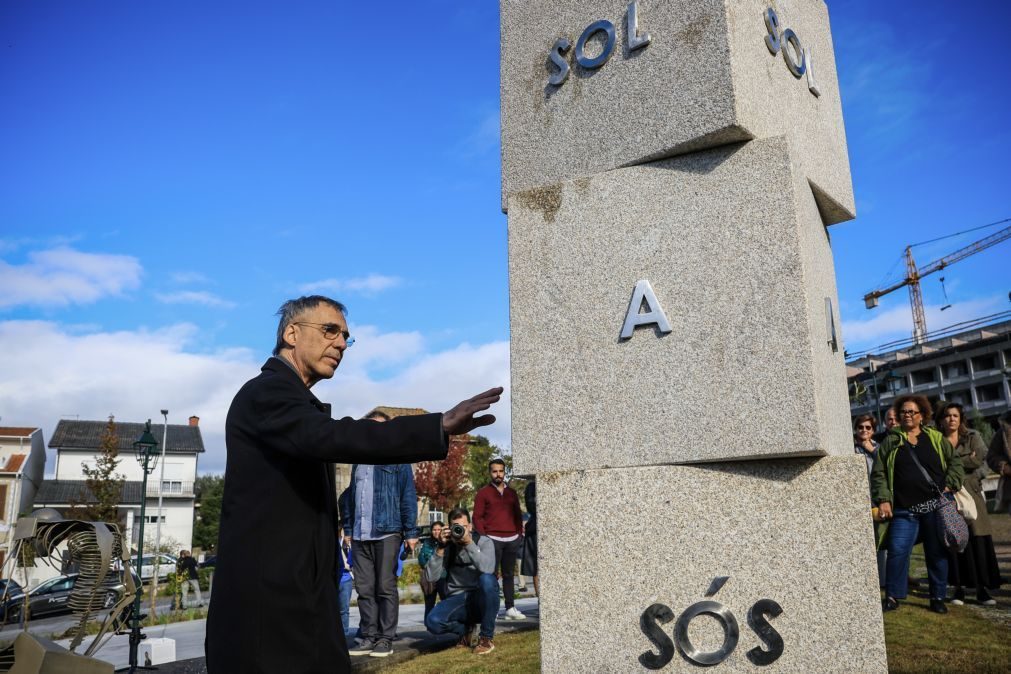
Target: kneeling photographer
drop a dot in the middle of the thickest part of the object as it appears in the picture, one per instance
(473, 599)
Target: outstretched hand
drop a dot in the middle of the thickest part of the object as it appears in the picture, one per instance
(461, 419)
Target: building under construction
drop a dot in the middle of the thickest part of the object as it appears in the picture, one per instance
(969, 363)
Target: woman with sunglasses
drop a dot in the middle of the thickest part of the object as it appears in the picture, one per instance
(976, 566)
(915, 471)
(865, 445)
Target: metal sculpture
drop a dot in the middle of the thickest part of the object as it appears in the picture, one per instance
(105, 576)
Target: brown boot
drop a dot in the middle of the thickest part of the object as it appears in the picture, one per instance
(484, 645)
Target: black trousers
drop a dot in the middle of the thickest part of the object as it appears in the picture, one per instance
(505, 559)
(376, 583)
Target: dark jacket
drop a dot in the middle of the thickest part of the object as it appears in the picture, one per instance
(997, 455)
(275, 587)
(394, 502)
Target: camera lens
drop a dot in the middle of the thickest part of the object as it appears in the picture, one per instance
(457, 530)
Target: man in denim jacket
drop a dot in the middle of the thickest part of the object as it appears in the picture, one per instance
(380, 511)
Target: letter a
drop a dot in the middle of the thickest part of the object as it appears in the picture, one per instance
(653, 315)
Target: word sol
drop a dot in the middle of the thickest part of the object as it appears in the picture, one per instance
(758, 620)
(562, 45)
(786, 41)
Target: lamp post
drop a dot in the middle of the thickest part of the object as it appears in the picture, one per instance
(157, 528)
(146, 449)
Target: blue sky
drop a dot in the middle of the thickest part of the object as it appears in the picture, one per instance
(172, 171)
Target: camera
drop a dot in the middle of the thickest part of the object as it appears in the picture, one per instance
(458, 531)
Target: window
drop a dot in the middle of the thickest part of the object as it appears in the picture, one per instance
(921, 377)
(436, 516)
(153, 519)
(961, 397)
(985, 362)
(172, 486)
(957, 369)
(990, 393)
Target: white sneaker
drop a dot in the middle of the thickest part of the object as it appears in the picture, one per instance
(513, 613)
(957, 602)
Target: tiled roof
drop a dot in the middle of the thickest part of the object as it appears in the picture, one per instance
(14, 463)
(68, 491)
(16, 431)
(394, 412)
(75, 434)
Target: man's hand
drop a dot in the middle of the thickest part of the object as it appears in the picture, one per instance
(347, 541)
(885, 510)
(412, 543)
(461, 419)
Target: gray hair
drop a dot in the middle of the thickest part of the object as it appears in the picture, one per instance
(292, 310)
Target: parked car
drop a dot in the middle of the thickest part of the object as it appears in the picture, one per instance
(209, 562)
(49, 598)
(10, 588)
(166, 567)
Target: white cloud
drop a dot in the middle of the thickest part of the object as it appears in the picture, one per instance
(194, 297)
(50, 373)
(188, 277)
(373, 283)
(897, 322)
(63, 276)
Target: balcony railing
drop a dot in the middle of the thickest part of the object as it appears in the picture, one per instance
(170, 488)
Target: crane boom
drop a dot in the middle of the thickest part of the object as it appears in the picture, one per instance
(914, 274)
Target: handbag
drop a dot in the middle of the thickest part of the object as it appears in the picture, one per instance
(951, 526)
(966, 505)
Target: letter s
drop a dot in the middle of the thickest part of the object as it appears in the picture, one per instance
(657, 613)
(562, 45)
(765, 631)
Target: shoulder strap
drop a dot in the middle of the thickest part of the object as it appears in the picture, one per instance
(916, 460)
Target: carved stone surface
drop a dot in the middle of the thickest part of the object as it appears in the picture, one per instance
(732, 244)
(614, 542)
(706, 78)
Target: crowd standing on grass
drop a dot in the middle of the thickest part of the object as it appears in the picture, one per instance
(916, 466)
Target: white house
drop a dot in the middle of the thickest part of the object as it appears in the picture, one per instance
(77, 443)
(22, 464)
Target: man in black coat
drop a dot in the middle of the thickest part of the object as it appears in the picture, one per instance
(274, 607)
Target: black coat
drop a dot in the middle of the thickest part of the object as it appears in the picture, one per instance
(274, 606)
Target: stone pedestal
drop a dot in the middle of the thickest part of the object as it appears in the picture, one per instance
(675, 166)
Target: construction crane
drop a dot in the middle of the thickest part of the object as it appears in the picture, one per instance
(913, 276)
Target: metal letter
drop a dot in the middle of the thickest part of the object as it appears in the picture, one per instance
(562, 45)
(601, 59)
(731, 633)
(772, 40)
(648, 622)
(635, 41)
(811, 85)
(833, 341)
(790, 39)
(654, 312)
(766, 632)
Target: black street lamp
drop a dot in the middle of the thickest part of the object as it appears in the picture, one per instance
(146, 449)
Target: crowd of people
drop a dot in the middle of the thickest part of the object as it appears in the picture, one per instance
(461, 563)
(916, 465)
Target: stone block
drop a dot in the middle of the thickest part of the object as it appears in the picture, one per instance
(734, 248)
(706, 78)
(613, 543)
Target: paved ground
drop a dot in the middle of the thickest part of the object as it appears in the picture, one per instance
(189, 638)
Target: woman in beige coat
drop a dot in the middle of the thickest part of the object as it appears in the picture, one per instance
(976, 566)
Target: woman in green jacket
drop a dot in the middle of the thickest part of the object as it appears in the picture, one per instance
(909, 501)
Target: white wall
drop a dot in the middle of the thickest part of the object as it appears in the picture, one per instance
(70, 463)
(178, 524)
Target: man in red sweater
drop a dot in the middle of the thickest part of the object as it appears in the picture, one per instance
(497, 515)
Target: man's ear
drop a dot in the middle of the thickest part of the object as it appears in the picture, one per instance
(290, 335)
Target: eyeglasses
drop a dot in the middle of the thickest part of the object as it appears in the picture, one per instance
(909, 413)
(331, 331)
(865, 428)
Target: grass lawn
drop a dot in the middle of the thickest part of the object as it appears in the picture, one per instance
(515, 653)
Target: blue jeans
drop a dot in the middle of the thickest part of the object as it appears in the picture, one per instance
(902, 533)
(344, 602)
(453, 614)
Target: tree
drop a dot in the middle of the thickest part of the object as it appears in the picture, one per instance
(981, 425)
(209, 491)
(104, 483)
(443, 483)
